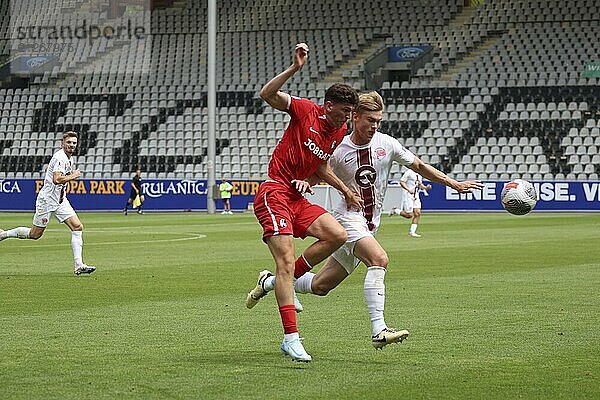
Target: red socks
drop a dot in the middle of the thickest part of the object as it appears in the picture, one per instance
(288, 318)
(288, 312)
(301, 267)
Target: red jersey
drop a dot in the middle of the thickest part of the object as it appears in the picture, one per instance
(307, 142)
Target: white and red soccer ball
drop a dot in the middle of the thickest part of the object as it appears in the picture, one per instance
(518, 197)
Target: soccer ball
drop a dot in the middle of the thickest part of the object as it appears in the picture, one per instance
(518, 197)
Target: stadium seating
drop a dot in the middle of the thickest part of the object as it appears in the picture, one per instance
(503, 95)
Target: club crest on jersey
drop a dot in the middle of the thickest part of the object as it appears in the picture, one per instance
(282, 223)
(316, 150)
(365, 176)
(380, 153)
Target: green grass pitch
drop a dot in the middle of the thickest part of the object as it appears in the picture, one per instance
(498, 306)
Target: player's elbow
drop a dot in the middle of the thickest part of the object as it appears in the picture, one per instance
(266, 94)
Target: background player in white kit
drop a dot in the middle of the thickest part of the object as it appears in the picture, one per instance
(52, 199)
(363, 161)
(411, 205)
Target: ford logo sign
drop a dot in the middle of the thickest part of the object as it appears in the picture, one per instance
(409, 52)
(36, 61)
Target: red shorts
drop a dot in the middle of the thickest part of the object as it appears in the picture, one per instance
(281, 210)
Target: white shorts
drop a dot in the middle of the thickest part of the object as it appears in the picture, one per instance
(410, 203)
(43, 209)
(356, 227)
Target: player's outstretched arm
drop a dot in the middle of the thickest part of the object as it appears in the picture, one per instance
(353, 200)
(437, 176)
(271, 93)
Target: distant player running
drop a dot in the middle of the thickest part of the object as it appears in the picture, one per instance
(309, 140)
(53, 199)
(363, 160)
(412, 183)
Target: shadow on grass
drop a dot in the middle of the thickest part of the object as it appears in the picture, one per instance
(268, 359)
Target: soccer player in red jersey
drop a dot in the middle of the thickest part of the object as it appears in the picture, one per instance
(311, 137)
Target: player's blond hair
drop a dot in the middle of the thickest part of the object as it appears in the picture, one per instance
(70, 134)
(370, 101)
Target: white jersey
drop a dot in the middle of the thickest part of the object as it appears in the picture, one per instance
(365, 169)
(412, 179)
(55, 194)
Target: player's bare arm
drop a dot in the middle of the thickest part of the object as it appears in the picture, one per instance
(435, 175)
(58, 178)
(326, 174)
(405, 187)
(271, 93)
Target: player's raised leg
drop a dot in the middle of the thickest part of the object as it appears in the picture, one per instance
(20, 232)
(330, 236)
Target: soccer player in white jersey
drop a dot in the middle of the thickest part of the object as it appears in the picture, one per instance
(411, 205)
(52, 199)
(363, 161)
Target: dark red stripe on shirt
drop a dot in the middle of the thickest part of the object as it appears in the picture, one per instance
(367, 193)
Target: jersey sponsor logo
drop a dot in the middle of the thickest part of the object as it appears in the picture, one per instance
(380, 153)
(316, 150)
(365, 176)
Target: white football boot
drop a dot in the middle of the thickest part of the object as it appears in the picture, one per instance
(388, 336)
(83, 269)
(259, 291)
(295, 350)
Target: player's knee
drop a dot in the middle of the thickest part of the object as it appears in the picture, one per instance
(78, 227)
(417, 212)
(339, 236)
(381, 260)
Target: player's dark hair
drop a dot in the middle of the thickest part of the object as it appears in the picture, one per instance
(341, 93)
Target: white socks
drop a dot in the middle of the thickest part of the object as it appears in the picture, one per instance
(20, 233)
(374, 290)
(301, 285)
(288, 337)
(413, 228)
(304, 283)
(269, 283)
(77, 245)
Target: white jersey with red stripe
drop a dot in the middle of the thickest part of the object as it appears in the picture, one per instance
(365, 169)
(412, 179)
(52, 193)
